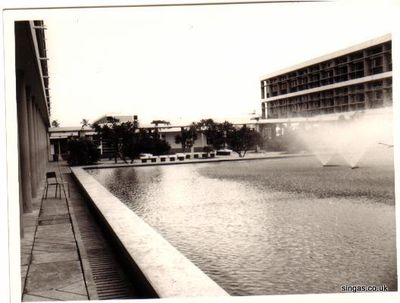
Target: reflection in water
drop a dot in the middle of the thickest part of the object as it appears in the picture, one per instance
(254, 240)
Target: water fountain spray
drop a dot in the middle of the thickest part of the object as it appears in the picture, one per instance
(349, 137)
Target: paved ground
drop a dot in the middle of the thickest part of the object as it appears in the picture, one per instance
(64, 255)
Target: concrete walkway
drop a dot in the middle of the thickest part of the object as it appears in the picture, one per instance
(50, 256)
(56, 261)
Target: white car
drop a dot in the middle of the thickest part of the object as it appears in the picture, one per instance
(144, 155)
(180, 156)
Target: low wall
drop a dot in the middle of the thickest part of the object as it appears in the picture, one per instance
(197, 161)
(165, 271)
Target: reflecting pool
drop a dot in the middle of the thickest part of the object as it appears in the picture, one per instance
(283, 226)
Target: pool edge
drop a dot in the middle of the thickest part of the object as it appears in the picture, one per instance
(159, 267)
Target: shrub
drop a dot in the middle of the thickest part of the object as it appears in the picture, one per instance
(160, 147)
(82, 152)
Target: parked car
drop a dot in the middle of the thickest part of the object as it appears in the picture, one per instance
(224, 152)
(144, 155)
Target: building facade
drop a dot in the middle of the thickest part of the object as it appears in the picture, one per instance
(110, 118)
(354, 79)
(59, 137)
(169, 134)
(33, 109)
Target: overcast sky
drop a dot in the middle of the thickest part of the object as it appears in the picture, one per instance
(190, 62)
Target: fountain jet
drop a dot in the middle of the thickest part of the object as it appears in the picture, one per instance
(349, 138)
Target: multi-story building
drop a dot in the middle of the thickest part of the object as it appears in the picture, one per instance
(354, 79)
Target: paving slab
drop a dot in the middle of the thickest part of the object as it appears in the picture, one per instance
(33, 298)
(59, 295)
(55, 246)
(54, 275)
(46, 257)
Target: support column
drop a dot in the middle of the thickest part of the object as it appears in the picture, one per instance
(39, 140)
(387, 98)
(39, 173)
(48, 146)
(21, 204)
(43, 151)
(35, 137)
(43, 144)
(32, 150)
(24, 143)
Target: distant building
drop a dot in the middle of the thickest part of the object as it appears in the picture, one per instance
(357, 78)
(169, 133)
(59, 137)
(118, 118)
(106, 148)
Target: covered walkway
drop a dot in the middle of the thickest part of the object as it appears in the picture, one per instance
(64, 254)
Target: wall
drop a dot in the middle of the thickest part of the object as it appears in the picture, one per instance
(170, 138)
(32, 114)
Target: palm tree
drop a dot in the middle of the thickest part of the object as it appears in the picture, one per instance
(84, 122)
(156, 122)
(187, 137)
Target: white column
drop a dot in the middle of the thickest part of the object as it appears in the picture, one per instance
(32, 150)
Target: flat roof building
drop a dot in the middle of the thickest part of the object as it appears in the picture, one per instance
(115, 117)
(353, 79)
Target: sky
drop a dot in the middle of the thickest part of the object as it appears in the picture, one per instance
(186, 63)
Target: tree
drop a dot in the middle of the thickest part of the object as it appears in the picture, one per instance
(242, 139)
(215, 132)
(127, 141)
(82, 151)
(187, 137)
(119, 136)
(160, 147)
(55, 123)
(84, 122)
(156, 122)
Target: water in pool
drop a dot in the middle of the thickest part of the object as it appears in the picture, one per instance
(284, 226)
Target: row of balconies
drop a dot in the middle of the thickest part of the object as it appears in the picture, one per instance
(354, 89)
(371, 54)
(342, 74)
(317, 83)
(334, 99)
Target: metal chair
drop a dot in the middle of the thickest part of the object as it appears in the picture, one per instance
(52, 180)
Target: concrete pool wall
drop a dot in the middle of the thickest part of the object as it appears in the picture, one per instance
(158, 266)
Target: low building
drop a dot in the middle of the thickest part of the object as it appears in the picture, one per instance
(169, 134)
(117, 118)
(106, 149)
(59, 137)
